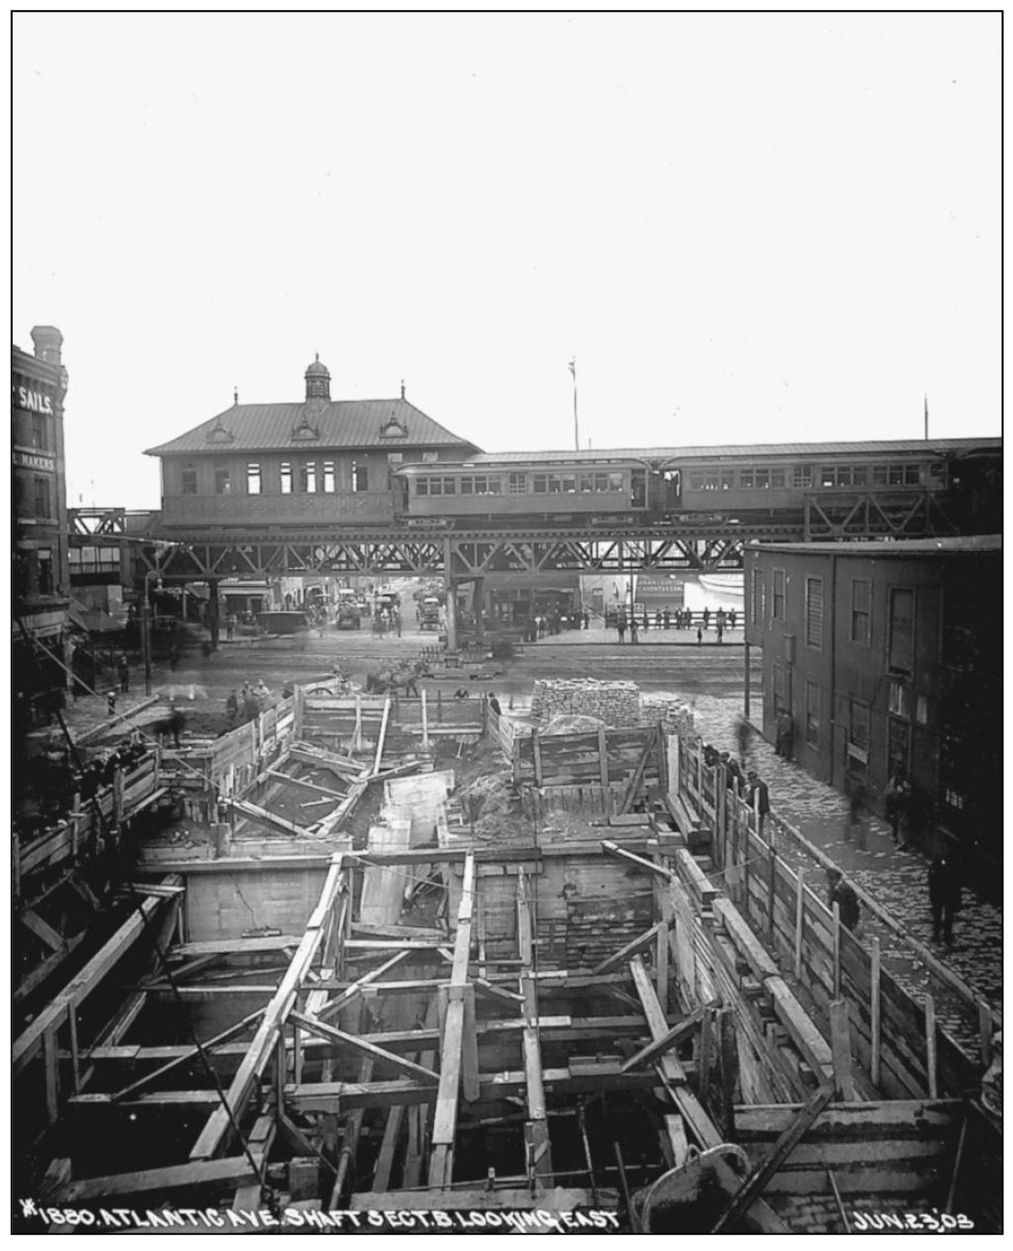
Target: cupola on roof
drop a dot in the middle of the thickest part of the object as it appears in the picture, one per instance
(316, 368)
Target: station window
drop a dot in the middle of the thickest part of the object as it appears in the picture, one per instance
(763, 479)
(901, 633)
(813, 713)
(861, 611)
(41, 490)
(777, 479)
(286, 477)
(329, 477)
(517, 484)
(308, 477)
(802, 476)
(758, 587)
(253, 478)
(223, 480)
(814, 612)
(40, 439)
(468, 486)
(449, 486)
(541, 483)
(777, 596)
(746, 479)
(360, 477)
(188, 479)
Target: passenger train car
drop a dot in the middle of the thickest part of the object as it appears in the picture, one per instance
(735, 483)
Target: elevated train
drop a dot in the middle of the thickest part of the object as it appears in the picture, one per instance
(735, 484)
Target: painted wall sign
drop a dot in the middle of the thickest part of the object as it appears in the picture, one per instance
(32, 460)
(32, 401)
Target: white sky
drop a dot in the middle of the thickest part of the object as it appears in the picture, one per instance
(745, 227)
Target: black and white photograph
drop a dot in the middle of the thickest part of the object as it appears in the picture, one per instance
(507, 622)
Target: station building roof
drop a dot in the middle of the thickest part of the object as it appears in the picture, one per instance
(888, 547)
(360, 424)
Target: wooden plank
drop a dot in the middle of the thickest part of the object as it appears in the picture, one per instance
(28, 1043)
(488, 1200)
(638, 775)
(391, 1134)
(214, 1133)
(799, 918)
(147, 1181)
(382, 737)
(356, 1042)
(309, 786)
(42, 930)
(536, 1129)
(931, 1053)
(840, 1045)
(804, 1033)
(754, 1184)
(685, 1029)
(536, 751)
(636, 945)
(262, 817)
(441, 1161)
(613, 849)
(188, 1054)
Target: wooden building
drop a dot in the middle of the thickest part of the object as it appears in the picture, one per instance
(314, 461)
(886, 654)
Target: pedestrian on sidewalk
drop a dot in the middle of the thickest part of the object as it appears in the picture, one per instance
(841, 894)
(633, 630)
(785, 734)
(758, 798)
(699, 636)
(494, 704)
(721, 630)
(896, 801)
(621, 627)
(743, 737)
(232, 708)
(123, 668)
(176, 722)
(944, 898)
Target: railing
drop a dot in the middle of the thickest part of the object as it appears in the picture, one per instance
(906, 1049)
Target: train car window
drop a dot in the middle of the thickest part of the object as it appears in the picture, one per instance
(711, 481)
(879, 475)
(615, 481)
(449, 486)
(828, 477)
(496, 486)
(896, 475)
(696, 480)
(727, 479)
(541, 484)
(763, 479)
(468, 485)
(253, 478)
(421, 486)
(285, 474)
(936, 469)
(746, 479)
(516, 484)
(586, 483)
(912, 475)
(570, 485)
(859, 475)
(777, 478)
(329, 476)
(843, 475)
(308, 477)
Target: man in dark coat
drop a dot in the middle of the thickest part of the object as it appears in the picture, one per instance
(844, 897)
(944, 897)
(758, 798)
(785, 733)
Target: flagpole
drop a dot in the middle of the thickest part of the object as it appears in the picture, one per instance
(926, 417)
(576, 427)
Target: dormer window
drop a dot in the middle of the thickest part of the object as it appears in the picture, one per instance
(393, 429)
(218, 433)
(304, 432)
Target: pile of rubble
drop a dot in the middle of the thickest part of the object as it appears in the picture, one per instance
(675, 714)
(617, 704)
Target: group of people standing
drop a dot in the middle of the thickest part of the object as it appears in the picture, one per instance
(251, 700)
(679, 618)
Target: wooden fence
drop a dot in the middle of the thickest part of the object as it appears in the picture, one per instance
(895, 1038)
(635, 757)
(353, 722)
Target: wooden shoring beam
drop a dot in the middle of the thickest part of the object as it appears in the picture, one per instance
(753, 1185)
(215, 1132)
(146, 1181)
(441, 1160)
(685, 1029)
(52, 1018)
(382, 736)
(189, 1054)
(306, 754)
(391, 1135)
(262, 817)
(309, 786)
(351, 992)
(355, 1042)
(649, 866)
(536, 1129)
(638, 775)
(632, 948)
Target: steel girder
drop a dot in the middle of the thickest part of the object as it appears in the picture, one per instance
(870, 515)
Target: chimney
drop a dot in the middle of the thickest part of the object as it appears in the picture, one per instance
(47, 340)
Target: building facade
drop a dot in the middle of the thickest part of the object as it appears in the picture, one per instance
(889, 654)
(315, 461)
(41, 575)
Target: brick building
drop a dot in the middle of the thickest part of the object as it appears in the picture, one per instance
(41, 576)
(890, 653)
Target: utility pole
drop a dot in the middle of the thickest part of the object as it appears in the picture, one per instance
(576, 427)
(926, 417)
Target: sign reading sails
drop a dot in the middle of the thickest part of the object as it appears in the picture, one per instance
(32, 401)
